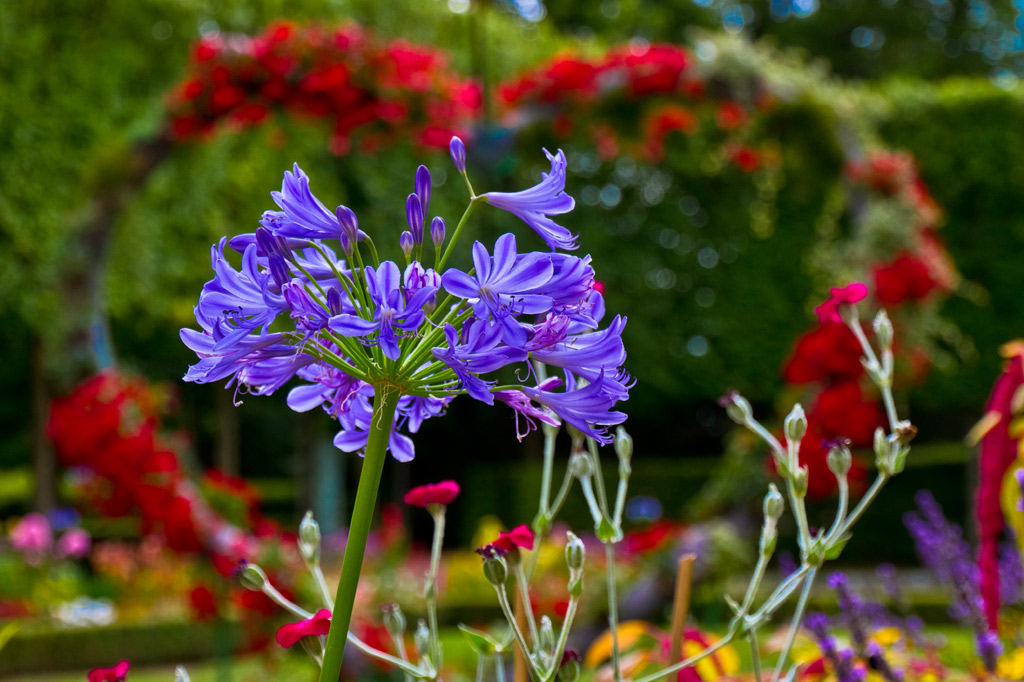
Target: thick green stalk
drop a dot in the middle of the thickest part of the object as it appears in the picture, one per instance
(385, 401)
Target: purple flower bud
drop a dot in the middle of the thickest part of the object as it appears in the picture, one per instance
(405, 240)
(278, 269)
(437, 229)
(349, 227)
(458, 152)
(334, 301)
(270, 243)
(423, 188)
(414, 214)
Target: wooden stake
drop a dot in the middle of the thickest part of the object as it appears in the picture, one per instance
(519, 673)
(681, 605)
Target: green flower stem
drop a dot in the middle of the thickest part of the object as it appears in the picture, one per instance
(864, 503)
(595, 460)
(755, 583)
(408, 668)
(563, 492)
(844, 502)
(613, 609)
(506, 609)
(755, 654)
(881, 375)
(542, 522)
(480, 661)
(524, 594)
(563, 638)
(284, 602)
(798, 615)
(321, 585)
(385, 402)
(458, 230)
(499, 662)
(686, 662)
(430, 589)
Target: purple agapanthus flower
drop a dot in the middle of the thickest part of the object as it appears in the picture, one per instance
(294, 309)
(392, 311)
(535, 205)
(503, 287)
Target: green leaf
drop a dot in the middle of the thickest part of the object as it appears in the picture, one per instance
(7, 632)
(480, 642)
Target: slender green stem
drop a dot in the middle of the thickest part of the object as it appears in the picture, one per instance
(844, 501)
(499, 666)
(506, 609)
(563, 491)
(284, 602)
(458, 231)
(404, 666)
(798, 615)
(864, 503)
(755, 654)
(385, 401)
(524, 594)
(592, 505)
(687, 662)
(321, 585)
(595, 460)
(563, 637)
(755, 583)
(430, 589)
(480, 659)
(613, 609)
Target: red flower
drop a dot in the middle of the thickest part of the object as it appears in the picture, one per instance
(203, 603)
(829, 352)
(115, 674)
(730, 116)
(320, 624)
(432, 493)
(840, 410)
(907, 278)
(520, 536)
(746, 158)
(837, 298)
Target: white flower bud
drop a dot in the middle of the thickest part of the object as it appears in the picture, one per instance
(252, 578)
(883, 330)
(575, 552)
(796, 424)
(774, 505)
(839, 458)
(309, 538)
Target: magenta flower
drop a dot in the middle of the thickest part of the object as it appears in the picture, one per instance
(432, 493)
(32, 537)
(829, 311)
(74, 543)
(116, 673)
(534, 205)
(316, 626)
(520, 536)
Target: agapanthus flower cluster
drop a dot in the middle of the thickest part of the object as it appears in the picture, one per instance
(313, 301)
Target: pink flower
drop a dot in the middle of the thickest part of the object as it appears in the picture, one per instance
(837, 298)
(74, 543)
(320, 624)
(114, 674)
(520, 536)
(432, 493)
(32, 536)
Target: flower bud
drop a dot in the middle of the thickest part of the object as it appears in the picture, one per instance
(546, 636)
(774, 505)
(394, 620)
(623, 448)
(737, 407)
(800, 481)
(309, 538)
(252, 578)
(414, 215)
(883, 330)
(495, 570)
(405, 241)
(882, 449)
(580, 465)
(421, 639)
(839, 458)
(437, 231)
(796, 424)
(422, 185)
(569, 670)
(575, 552)
(458, 152)
(180, 674)
(349, 224)
(904, 432)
